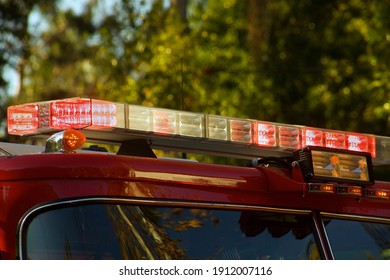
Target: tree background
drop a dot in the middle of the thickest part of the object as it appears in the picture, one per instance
(322, 63)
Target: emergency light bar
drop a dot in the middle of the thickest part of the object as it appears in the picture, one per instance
(185, 131)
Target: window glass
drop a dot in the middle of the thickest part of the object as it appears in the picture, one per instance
(355, 240)
(109, 231)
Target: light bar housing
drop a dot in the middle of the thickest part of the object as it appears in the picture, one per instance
(76, 113)
(185, 131)
(319, 164)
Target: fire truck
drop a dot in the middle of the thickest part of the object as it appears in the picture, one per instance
(99, 187)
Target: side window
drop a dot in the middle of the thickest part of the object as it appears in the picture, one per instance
(114, 231)
(354, 240)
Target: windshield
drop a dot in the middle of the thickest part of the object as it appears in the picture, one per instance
(120, 231)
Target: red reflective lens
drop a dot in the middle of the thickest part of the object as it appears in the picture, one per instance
(79, 113)
(266, 134)
(311, 137)
(67, 113)
(241, 131)
(334, 139)
(289, 137)
(23, 119)
(361, 143)
(163, 121)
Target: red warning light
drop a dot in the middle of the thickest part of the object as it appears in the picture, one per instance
(289, 137)
(312, 137)
(76, 113)
(361, 143)
(334, 139)
(23, 118)
(266, 134)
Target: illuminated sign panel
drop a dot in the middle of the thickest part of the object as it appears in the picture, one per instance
(322, 164)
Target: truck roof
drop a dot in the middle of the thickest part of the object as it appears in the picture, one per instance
(181, 180)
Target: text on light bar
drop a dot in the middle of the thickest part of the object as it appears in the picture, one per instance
(91, 114)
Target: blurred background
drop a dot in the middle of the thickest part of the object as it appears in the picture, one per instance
(322, 63)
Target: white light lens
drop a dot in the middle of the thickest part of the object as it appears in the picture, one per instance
(217, 128)
(163, 121)
(139, 118)
(191, 124)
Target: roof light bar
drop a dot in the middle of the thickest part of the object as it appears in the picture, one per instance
(179, 130)
(78, 113)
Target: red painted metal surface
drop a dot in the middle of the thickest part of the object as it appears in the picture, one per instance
(29, 180)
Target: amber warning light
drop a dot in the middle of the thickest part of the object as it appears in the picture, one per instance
(331, 165)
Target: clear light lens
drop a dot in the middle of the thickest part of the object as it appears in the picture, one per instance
(107, 114)
(163, 121)
(217, 128)
(191, 124)
(139, 118)
(340, 165)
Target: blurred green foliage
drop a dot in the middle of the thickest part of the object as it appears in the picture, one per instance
(322, 63)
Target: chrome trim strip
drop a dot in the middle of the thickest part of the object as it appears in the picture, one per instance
(54, 143)
(355, 217)
(346, 217)
(323, 237)
(327, 241)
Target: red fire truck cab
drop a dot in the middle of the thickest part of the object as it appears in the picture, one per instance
(306, 193)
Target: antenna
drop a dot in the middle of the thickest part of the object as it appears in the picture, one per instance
(182, 83)
(183, 154)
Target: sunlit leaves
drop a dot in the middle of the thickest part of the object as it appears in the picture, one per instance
(322, 63)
